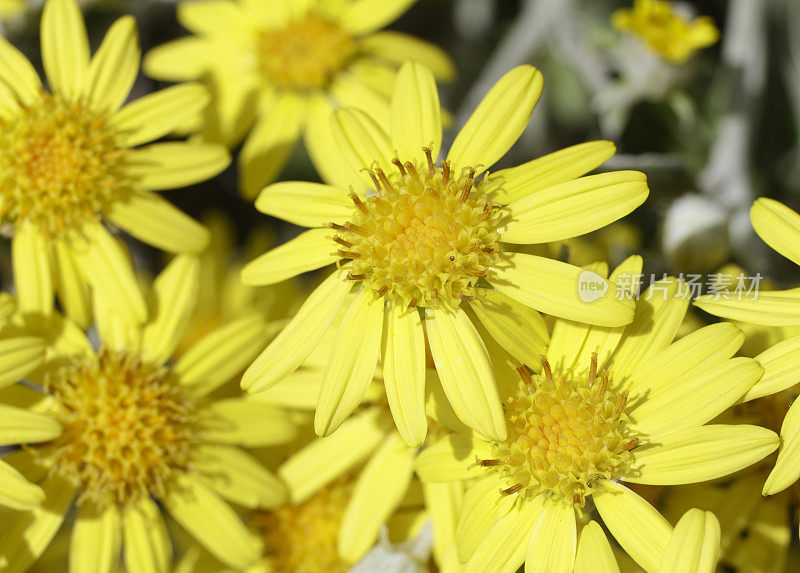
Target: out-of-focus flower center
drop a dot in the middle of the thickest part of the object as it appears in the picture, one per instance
(128, 428)
(306, 53)
(302, 538)
(564, 434)
(59, 166)
(425, 236)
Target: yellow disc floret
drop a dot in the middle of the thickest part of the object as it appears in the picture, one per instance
(60, 165)
(425, 236)
(564, 434)
(306, 53)
(127, 428)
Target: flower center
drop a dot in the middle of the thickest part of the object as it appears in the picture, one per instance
(424, 236)
(59, 166)
(305, 54)
(302, 538)
(564, 434)
(127, 428)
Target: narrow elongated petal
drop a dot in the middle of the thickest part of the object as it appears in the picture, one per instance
(174, 300)
(362, 141)
(212, 522)
(481, 509)
(70, 285)
(416, 113)
(594, 554)
(295, 342)
(399, 48)
(173, 164)
(380, 488)
(352, 362)
(325, 459)
(509, 185)
(549, 214)
(443, 502)
(183, 59)
(363, 16)
(404, 373)
(305, 204)
(452, 458)
(638, 527)
(114, 67)
(781, 365)
(553, 539)
(17, 492)
(769, 308)
(465, 371)
(778, 225)
(147, 545)
(18, 426)
(96, 540)
(18, 74)
(786, 470)
(552, 287)
(155, 221)
(245, 422)
(32, 274)
(308, 251)
(19, 356)
(498, 121)
(352, 92)
(65, 47)
(210, 17)
(701, 454)
(694, 545)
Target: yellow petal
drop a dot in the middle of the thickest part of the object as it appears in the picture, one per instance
(363, 16)
(212, 522)
(363, 142)
(18, 74)
(694, 545)
(220, 355)
(350, 91)
(786, 470)
(352, 362)
(157, 114)
(174, 164)
(498, 121)
(594, 553)
(779, 226)
(380, 488)
(70, 285)
(295, 342)
(550, 214)
(96, 540)
(155, 221)
(553, 539)
(238, 477)
(19, 426)
(517, 328)
(482, 507)
(237, 98)
(509, 185)
(452, 458)
(464, 369)
(211, 16)
(638, 527)
(404, 373)
(416, 113)
(305, 204)
(183, 59)
(65, 47)
(700, 454)
(552, 287)
(309, 251)
(114, 67)
(325, 459)
(770, 308)
(19, 355)
(15, 491)
(443, 502)
(246, 423)
(147, 545)
(399, 48)
(32, 273)
(781, 365)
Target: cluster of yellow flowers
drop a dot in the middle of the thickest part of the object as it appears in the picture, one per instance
(419, 381)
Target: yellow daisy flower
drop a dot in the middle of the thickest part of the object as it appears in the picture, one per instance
(670, 34)
(281, 67)
(609, 405)
(72, 158)
(125, 431)
(431, 238)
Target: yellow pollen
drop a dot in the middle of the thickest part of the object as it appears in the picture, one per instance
(60, 165)
(426, 236)
(128, 428)
(305, 54)
(564, 434)
(302, 538)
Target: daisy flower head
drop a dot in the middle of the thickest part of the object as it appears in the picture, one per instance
(664, 29)
(125, 431)
(427, 250)
(607, 406)
(73, 159)
(281, 67)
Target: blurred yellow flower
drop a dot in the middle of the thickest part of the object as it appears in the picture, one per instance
(281, 68)
(667, 32)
